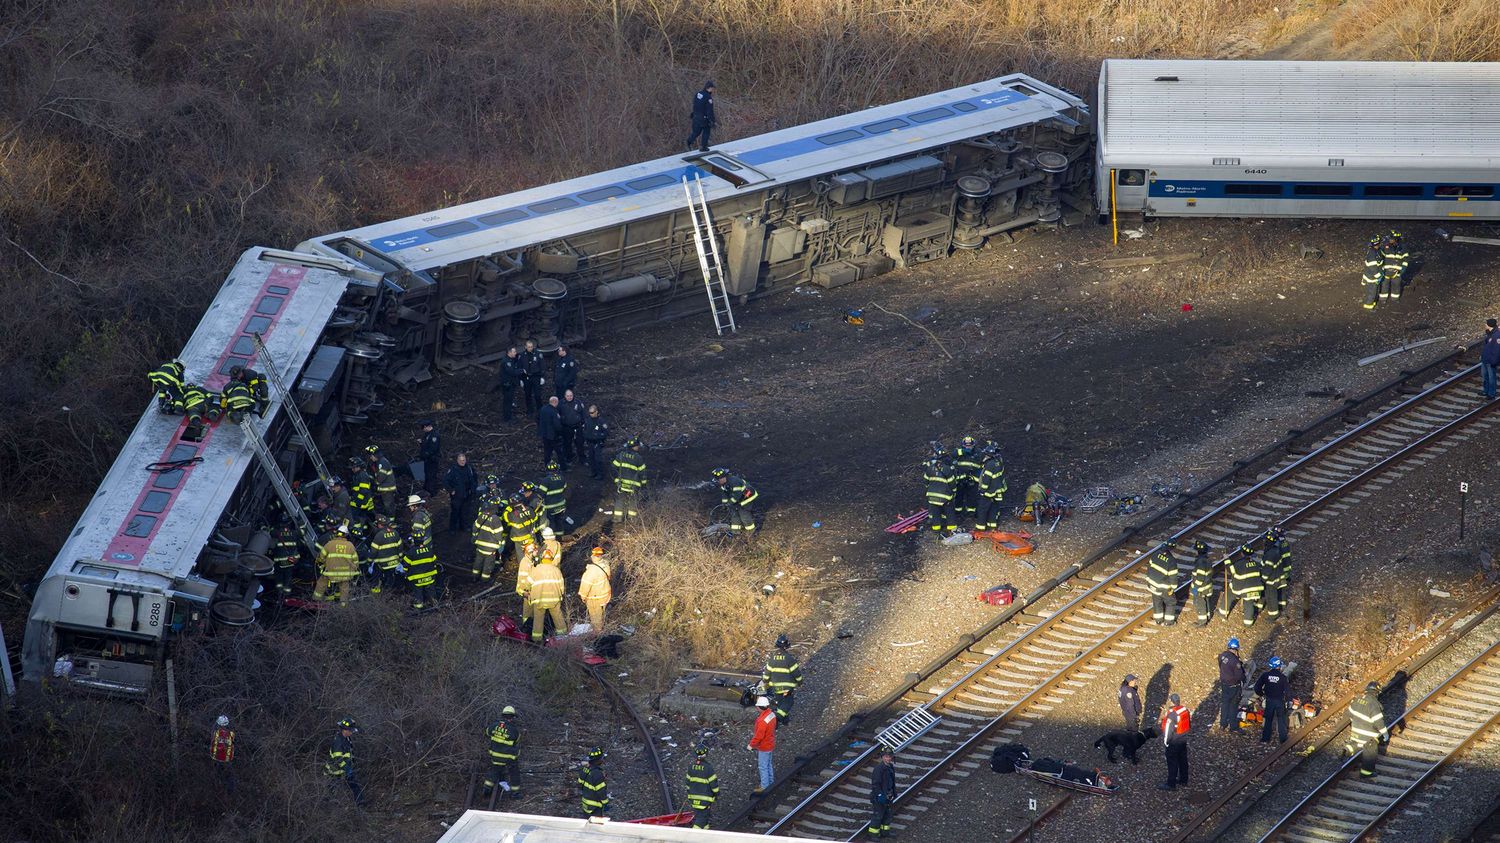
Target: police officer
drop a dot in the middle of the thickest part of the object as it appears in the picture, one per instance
(420, 561)
(703, 116)
(430, 451)
(489, 537)
(966, 462)
(592, 785)
(1231, 686)
(991, 487)
(1374, 267)
(782, 672)
(554, 491)
(1276, 572)
(564, 372)
(503, 734)
(1276, 690)
(535, 365)
(341, 758)
(630, 479)
(882, 795)
(462, 484)
(1367, 729)
(939, 477)
(169, 384)
(385, 554)
(549, 427)
(1161, 579)
(1203, 581)
(572, 412)
(595, 433)
(1245, 584)
(384, 475)
(1130, 702)
(512, 375)
(702, 787)
(736, 496)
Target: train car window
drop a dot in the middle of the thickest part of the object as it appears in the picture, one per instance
(1465, 190)
(551, 205)
(155, 502)
(140, 526)
(1226, 162)
(230, 363)
(650, 182)
(1023, 89)
(168, 479)
(721, 161)
(1252, 188)
(1393, 190)
(257, 325)
(880, 127)
(965, 107)
(502, 217)
(243, 345)
(930, 115)
(182, 452)
(599, 194)
(1323, 189)
(278, 289)
(269, 305)
(1131, 177)
(452, 228)
(836, 138)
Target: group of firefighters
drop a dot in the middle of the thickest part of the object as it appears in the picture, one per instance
(245, 391)
(964, 486)
(1257, 581)
(1385, 268)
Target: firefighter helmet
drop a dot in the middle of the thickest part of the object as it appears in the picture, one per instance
(783, 642)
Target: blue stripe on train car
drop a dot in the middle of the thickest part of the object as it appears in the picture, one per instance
(654, 181)
(1236, 189)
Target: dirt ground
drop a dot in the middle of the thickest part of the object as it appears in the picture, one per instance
(1085, 376)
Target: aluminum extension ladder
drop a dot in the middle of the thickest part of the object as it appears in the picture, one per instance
(290, 406)
(708, 254)
(911, 726)
(279, 482)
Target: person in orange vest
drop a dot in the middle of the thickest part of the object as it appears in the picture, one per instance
(221, 750)
(763, 743)
(594, 588)
(1175, 725)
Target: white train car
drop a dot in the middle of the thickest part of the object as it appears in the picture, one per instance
(1367, 140)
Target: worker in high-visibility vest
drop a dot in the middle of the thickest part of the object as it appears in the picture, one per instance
(338, 563)
(1245, 584)
(702, 787)
(545, 598)
(503, 735)
(169, 383)
(421, 566)
(221, 750)
(1367, 729)
(594, 587)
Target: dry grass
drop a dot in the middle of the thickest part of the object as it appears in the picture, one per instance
(1421, 30)
(704, 596)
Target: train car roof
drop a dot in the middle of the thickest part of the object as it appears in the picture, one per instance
(588, 203)
(500, 827)
(1425, 114)
(143, 521)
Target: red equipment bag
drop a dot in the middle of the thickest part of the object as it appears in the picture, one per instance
(1000, 595)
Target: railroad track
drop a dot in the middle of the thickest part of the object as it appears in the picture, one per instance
(992, 689)
(1347, 806)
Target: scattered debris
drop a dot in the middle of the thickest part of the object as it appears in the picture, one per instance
(937, 414)
(1406, 346)
(1310, 252)
(908, 643)
(1325, 392)
(1147, 260)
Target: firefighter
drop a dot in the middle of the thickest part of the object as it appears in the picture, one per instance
(702, 788)
(1374, 272)
(421, 520)
(489, 536)
(1203, 581)
(592, 785)
(361, 489)
(385, 554)
(594, 587)
(966, 462)
(1276, 571)
(338, 563)
(255, 382)
(236, 399)
(1161, 579)
(421, 566)
(503, 734)
(341, 758)
(385, 478)
(594, 434)
(520, 523)
(221, 751)
(991, 487)
(286, 552)
(337, 502)
(535, 365)
(939, 476)
(630, 479)
(491, 495)
(545, 598)
(1394, 259)
(736, 496)
(1367, 729)
(195, 405)
(1245, 584)
(782, 704)
(168, 381)
(782, 672)
(554, 490)
(882, 795)
(526, 559)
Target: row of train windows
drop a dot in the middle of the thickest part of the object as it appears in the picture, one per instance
(1254, 188)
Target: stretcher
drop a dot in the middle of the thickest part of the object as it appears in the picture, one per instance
(1007, 544)
(679, 818)
(1024, 766)
(505, 627)
(909, 523)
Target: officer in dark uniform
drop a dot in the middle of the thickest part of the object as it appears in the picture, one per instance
(462, 483)
(535, 365)
(702, 788)
(595, 433)
(1274, 687)
(512, 375)
(1231, 686)
(564, 372)
(938, 475)
(703, 116)
(430, 451)
(572, 412)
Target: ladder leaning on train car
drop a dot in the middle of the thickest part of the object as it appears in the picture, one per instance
(708, 255)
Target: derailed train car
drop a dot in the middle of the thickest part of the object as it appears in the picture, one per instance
(173, 540)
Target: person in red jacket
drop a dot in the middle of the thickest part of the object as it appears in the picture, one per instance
(1174, 737)
(221, 750)
(764, 741)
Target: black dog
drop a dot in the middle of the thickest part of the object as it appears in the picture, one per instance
(1126, 742)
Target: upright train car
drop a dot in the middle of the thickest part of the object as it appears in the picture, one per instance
(1369, 140)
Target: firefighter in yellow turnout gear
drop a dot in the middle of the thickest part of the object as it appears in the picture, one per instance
(594, 587)
(338, 563)
(545, 598)
(1367, 729)
(736, 496)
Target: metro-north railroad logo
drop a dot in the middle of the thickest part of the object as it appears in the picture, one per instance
(120, 556)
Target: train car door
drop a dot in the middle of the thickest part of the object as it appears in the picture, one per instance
(1130, 190)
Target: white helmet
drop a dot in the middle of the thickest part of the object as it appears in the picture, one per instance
(414, 500)
(762, 702)
(223, 720)
(547, 533)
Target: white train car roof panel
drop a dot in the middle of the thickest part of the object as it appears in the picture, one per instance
(157, 522)
(501, 827)
(1434, 113)
(588, 203)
